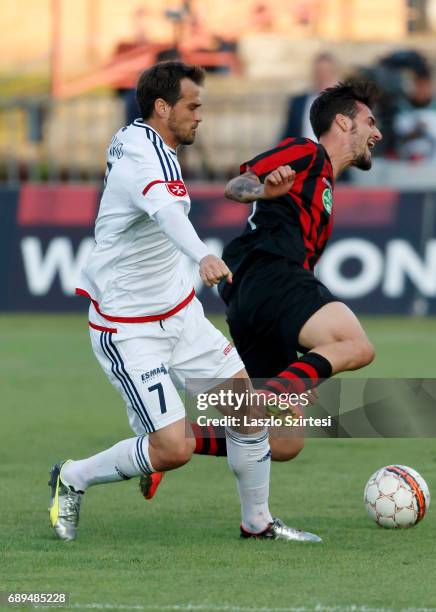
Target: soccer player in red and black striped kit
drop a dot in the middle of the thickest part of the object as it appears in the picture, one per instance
(276, 307)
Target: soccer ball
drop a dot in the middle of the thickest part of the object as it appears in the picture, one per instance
(396, 496)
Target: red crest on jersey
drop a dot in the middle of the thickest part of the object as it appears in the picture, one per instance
(176, 188)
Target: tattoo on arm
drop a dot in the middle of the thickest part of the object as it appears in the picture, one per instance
(244, 188)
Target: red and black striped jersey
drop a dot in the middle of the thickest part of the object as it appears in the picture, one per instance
(298, 224)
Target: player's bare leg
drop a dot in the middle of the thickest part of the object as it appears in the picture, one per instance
(336, 343)
(284, 446)
(335, 333)
(170, 447)
(285, 449)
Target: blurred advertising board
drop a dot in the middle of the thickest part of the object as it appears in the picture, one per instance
(381, 258)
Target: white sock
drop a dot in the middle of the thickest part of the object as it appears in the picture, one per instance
(122, 461)
(249, 457)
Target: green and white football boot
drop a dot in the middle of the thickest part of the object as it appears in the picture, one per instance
(64, 506)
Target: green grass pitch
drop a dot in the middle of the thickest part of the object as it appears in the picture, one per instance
(181, 551)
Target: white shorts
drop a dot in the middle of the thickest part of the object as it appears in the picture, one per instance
(147, 362)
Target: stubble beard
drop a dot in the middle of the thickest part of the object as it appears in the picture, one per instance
(186, 140)
(182, 138)
(363, 162)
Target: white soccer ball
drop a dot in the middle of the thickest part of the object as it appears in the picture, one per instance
(396, 496)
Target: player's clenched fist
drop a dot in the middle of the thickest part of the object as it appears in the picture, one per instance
(213, 269)
(278, 182)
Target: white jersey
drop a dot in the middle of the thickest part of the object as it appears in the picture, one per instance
(135, 271)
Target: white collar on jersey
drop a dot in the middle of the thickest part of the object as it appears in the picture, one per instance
(140, 123)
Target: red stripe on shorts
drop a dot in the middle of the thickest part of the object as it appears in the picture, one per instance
(112, 330)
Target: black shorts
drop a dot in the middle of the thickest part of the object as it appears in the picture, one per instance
(267, 308)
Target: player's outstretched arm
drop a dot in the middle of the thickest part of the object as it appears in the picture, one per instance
(245, 188)
(248, 188)
(178, 228)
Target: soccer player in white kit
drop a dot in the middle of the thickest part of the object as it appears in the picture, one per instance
(148, 330)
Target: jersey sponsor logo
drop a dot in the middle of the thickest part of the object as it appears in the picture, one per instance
(327, 200)
(176, 188)
(147, 376)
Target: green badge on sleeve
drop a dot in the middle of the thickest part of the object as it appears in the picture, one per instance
(327, 200)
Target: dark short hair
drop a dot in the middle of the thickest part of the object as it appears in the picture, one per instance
(341, 98)
(163, 81)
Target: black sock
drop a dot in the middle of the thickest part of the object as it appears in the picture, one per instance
(301, 375)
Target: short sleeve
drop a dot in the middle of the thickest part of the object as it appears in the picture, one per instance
(296, 152)
(150, 190)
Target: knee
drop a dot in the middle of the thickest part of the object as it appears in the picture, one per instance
(178, 453)
(363, 353)
(285, 449)
(183, 451)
